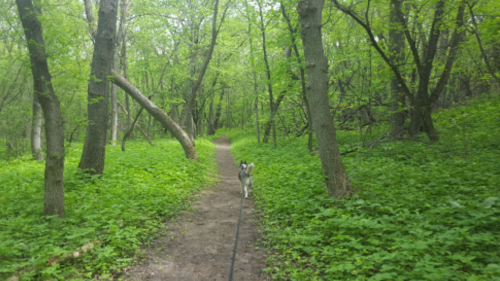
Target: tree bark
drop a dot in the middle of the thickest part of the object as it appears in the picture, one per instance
(310, 18)
(200, 115)
(211, 117)
(90, 19)
(396, 55)
(421, 114)
(114, 106)
(54, 130)
(94, 149)
(125, 75)
(36, 130)
(421, 119)
(158, 114)
(114, 100)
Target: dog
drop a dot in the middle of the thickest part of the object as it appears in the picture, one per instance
(245, 177)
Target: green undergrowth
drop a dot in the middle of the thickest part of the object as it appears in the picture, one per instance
(422, 211)
(111, 216)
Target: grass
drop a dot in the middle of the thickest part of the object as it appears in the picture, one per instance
(114, 215)
(422, 211)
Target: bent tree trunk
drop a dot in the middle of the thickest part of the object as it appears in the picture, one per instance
(158, 114)
(310, 16)
(54, 131)
(94, 148)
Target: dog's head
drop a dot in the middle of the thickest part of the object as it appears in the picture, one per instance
(243, 165)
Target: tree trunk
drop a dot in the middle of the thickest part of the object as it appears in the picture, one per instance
(396, 55)
(93, 33)
(218, 111)
(210, 123)
(114, 100)
(490, 69)
(421, 108)
(310, 18)
(495, 56)
(421, 115)
(189, 120)
(94, 149)
(90, 19)
(36, 130)
(125, 75)
(257, 113)
(270, 123)
(305, 101)
(254, 73)
(191, 103)
(114, 106)
(54, 130)
(421, 103)
(200, 116)
(158, 114)
(268, 75)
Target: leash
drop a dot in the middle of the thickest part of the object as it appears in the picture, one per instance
(236, 240)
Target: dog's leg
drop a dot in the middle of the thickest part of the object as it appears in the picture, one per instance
(242, 186)
(246, 190)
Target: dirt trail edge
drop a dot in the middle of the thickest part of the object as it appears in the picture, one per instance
(203, 240)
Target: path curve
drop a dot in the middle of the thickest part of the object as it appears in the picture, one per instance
(203, 241)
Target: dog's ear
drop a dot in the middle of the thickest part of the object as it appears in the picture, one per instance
(245, 163)
(241, 163)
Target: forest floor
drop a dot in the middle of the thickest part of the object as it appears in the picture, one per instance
(199, 245)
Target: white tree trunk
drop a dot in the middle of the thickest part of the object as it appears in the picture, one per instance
(114, 107)
(36, 130)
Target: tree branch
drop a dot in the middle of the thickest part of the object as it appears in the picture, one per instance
(409, 38)
(483, 53)
(455, 41)
(90, 19)
(377, 47)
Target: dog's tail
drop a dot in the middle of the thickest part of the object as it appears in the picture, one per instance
(249, 170)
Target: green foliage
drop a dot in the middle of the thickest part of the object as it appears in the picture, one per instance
(422, 211)
(117, 213)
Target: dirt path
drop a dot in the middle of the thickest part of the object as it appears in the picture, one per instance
(203, 242)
